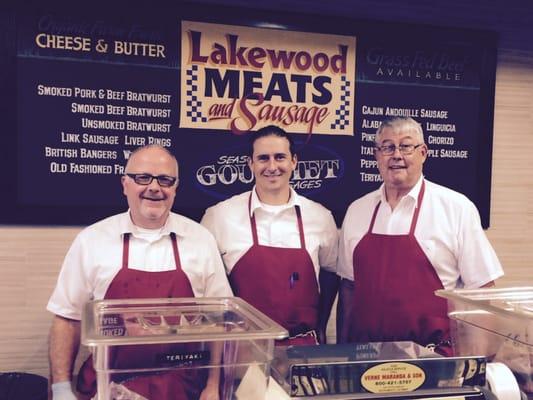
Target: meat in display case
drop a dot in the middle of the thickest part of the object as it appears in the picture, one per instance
(143, 348)
(498, 323)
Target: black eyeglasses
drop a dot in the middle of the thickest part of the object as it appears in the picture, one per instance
(146, 179)
(405, 149)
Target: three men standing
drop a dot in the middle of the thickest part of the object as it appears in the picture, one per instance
(398, 245)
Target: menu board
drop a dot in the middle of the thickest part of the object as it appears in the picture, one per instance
(85, 89)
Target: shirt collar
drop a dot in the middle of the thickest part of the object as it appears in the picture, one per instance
(294, 200)
(413, 193)
(171, 226)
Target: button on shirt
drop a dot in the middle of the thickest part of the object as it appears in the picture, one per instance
(95, 257)
(449, 232)
(277, 226)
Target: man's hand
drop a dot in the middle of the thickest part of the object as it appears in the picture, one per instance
(63, 391)
(329, 285)
(209, 393)
(344, 310)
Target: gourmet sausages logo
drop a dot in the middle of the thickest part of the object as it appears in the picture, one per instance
(227, 174)
(241, 79)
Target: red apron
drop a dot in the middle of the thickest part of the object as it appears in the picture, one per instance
(394, 290)
(168, 385)
(280, 282)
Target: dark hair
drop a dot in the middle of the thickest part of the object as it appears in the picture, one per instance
(270, 130)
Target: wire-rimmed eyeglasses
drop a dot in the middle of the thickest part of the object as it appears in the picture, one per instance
(405, 149)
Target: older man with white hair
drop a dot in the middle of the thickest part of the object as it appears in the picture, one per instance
(402, 242)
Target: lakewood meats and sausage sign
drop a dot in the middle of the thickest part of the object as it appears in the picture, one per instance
(241, 79)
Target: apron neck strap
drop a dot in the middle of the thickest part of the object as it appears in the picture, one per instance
(417, 209)
(300, 226)
(252, 221)
(254, 226)
(126, 250)
(175, 250)
(414, 220)
(371, 226)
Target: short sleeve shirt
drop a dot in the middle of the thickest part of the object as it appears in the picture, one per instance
(448, 230)
(95, 257)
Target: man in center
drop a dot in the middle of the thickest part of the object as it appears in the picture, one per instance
(279, 248)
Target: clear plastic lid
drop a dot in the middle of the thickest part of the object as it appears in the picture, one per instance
(175, 320)
(516, 302)
(506, 312)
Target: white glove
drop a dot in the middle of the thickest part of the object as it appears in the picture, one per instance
(62, 391)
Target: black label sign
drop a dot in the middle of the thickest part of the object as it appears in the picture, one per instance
(184, 358)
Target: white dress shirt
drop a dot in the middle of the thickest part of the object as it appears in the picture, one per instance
(95, 257)
(277, 226)
(448, 230)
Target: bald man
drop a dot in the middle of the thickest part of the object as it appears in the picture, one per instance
(110, 260)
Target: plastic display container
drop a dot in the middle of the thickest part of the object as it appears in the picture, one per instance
(177, 342)
(358, 370)
(497, 323)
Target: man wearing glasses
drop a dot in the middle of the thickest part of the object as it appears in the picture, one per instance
(402, 242)
(147, 252)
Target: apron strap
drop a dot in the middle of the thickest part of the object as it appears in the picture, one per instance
(252, 221)
(125, 250)
(417, 209)
(300, 226)
(414, 220)
(371, 226)
(175, 250)
(254, 226)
